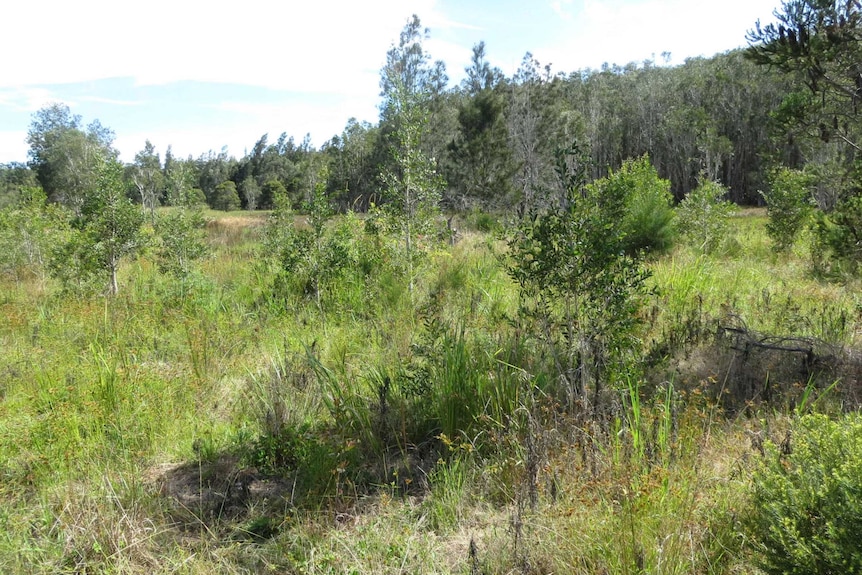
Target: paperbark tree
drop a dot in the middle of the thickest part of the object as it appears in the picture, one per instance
(147, 176)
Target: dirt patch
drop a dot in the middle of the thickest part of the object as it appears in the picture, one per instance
(209, 491)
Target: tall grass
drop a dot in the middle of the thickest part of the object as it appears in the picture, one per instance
(391, 437)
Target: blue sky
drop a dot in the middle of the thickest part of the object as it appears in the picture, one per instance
(204, 74)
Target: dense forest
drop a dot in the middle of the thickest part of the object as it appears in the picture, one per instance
(599, 322)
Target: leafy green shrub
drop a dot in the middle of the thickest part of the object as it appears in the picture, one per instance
(648, 223)
(788, 205)
(576, 282)
(806, 515)
(313, 257)
(28, 231)
(838, 237)
(704, 217)
(181, 241)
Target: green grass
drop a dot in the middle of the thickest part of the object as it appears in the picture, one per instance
(216, 428)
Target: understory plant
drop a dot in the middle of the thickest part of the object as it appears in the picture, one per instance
(704, 216)
(788, 205)
(579, 290)
(806, 500)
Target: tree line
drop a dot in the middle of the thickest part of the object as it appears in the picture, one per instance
(790, 100)
(491, 137)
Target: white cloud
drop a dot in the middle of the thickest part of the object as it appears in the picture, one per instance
(13, 146)
(562, 8)
(111, 101)
(617, 31)
(27, 99)
(327, 45)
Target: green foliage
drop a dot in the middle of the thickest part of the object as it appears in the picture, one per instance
(310, 258)
(482, 221)
(67, 160)
(226, 197)
(838, 237)
(817, 43)
(179, 181)
(704, 217)
(194, 198)
(482, 167)
(412, 187)
(107, 230)
(251, 193)
(788, 205)
(15, 180)
(270, 193)
(181, 241)
(576, 282)
(648, 224)
(29, 230)
(148, 178)
(806, 500)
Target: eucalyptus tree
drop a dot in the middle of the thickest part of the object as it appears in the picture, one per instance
(525, 130)
(212, 171)
(180, 178)
(411, 184)
(148, 178)
(250, 192)
(66, 157)
(353, 165)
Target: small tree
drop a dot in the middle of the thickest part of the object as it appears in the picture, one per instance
(704, 216)
(307, 257)
(270, 192)
(413, 187)
(181, 241)
(788, 205)
(148, 178)
(251, 193)
(225, 197)
(28, 231)
(648, 223)
(838, 237)
(107, 230)
(576, 281)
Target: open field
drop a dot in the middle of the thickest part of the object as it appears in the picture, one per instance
(214, 428)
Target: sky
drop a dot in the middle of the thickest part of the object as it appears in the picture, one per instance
(203, 75)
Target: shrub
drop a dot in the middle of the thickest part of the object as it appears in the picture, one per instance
(181, 241)
(575, 280)
(788, 205)
(704, 217)
(28, 231)
(648, 223)
(838, 237)
(806, 515)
